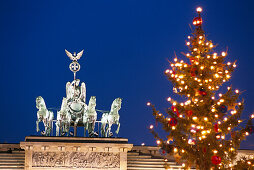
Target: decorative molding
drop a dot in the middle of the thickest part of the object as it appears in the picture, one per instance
(105, 160)
(29, 147)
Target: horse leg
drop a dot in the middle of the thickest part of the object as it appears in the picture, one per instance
(93, 127)
(52, 127)
(85, 129)
(68, 128)
(89, 129)
(118, 128)
(103, 130)
(47, 128)
(57, 128)
(109, 130)
(37, 126)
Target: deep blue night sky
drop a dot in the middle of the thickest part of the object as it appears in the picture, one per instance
(126, 46)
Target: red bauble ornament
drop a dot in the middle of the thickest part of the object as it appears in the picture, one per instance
(202, 92)
(189, 113)
(197, 21)
(173, 122)
(192, 60)
(216, 128)
(175, 110)
(173, 73)
(193, 71)
(216, 160)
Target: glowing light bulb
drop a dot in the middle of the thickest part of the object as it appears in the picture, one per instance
(151, 127)
(167, 71)
(158, 142)
(188, 43)
(199, 9)
(223, 54)
(148, 104)
(194, 118)
(175, 149)
(236, 91)
(221, 100)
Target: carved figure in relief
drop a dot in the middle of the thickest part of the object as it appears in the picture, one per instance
(44, 115)
(108, 119)
(90, 117)
(100, 160)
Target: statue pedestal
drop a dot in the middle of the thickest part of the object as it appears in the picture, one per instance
(62, 153)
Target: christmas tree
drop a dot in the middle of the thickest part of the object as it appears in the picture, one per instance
(205, 130)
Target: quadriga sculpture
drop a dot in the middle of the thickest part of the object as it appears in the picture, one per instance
(63, 121)
(44, 115)
(108, 119)
(90, 117)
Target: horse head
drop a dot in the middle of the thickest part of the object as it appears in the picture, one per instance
(40, 103)
(92, 102)
(64, 104)
(116, 105)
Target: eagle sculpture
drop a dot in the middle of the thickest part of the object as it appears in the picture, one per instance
(74, 56)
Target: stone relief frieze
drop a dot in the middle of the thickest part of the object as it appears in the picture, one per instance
(103, 160)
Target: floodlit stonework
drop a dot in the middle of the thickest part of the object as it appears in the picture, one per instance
(75, 153)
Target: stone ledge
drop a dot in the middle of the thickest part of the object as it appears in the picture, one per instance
(74, 139)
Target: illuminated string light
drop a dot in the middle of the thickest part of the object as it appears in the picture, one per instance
(199, 9)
